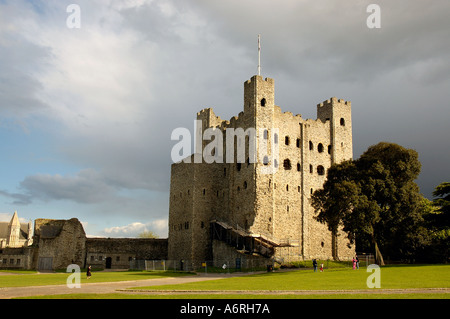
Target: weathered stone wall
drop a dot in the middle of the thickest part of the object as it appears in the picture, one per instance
(17, 258)
(276, 205)
(62, 240)
(119, 252)
(181, 211)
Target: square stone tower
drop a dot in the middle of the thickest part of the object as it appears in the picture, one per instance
(259, 203)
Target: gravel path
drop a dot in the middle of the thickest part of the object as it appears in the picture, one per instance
(104, 287)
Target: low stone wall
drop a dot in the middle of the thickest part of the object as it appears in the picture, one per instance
(17, 258)
(117, 253)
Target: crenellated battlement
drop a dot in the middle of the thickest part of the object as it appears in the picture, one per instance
(334, 100)
(260, 78)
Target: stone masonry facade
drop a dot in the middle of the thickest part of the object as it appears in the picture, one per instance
(267, 196)
(58, 243)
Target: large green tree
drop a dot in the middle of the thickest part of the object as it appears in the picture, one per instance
(374, 198)
(442, 203)
(438, 223)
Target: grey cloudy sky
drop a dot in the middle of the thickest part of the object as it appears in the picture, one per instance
(86, 114)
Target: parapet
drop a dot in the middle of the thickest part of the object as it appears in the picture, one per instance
(260, 78)
(334, 100)
(212, 119)
(207, 111)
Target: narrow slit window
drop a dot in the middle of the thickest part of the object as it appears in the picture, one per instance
(263, 102)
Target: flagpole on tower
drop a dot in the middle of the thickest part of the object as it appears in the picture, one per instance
(259, 54)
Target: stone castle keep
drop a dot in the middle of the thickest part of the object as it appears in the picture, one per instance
(236, 209)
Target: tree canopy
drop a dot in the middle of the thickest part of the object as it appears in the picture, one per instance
(442, 203)
(147, 234)
(375, 199)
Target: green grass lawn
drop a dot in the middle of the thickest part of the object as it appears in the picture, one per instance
(243, 296)
(26, 278)
(392, 277)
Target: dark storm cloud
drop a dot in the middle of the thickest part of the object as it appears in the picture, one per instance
(134, 72)
(86, 187)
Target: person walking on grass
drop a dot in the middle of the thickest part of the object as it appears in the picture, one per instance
(321, 267)
(88, 273)
(315, 264)
(354, 263)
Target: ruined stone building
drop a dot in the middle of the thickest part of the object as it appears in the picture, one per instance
(259, 206)
(57, 243)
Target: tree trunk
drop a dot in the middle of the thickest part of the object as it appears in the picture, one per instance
(378, 257)
(334, 246)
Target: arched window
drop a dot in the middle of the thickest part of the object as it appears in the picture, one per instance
(263, 102)
(287, 187)
(286, 140)
(320, 147)
(298, 143)
(310, 168)
(265, 134)
(311, 146)
(266, 160)
(238, 166)
(320, 170)
(298, 167)
(342, 121)
(275, 138)
(287, 164)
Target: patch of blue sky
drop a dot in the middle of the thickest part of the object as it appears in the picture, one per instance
(24, 153)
